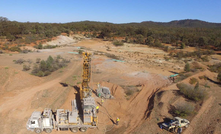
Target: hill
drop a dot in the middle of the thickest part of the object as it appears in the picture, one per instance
(188, 32)
(185, 23)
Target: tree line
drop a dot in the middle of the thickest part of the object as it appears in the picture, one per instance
(189, 32)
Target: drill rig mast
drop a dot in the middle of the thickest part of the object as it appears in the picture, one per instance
(85, 90)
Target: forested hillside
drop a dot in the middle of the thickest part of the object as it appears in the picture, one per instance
(189, 32)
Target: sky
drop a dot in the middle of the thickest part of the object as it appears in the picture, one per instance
(114, 11)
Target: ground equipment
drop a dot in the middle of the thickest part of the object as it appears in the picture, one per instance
(104, 92)
(82, 116)
(175, 123)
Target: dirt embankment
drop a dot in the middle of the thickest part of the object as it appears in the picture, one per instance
(61, 41)
(136, 110)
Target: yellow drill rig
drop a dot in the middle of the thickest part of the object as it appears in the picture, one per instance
(88, 102)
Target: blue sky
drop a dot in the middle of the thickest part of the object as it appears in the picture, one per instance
(116, 11)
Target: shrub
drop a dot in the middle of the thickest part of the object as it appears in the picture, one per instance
(46, 67)
(203, 77)
(118, 43)
(40, 74)
(205, 58)
(49, 46)
(14, 49)
(29, 61)
(129, 92)
(167, 58)
(183, 110)
(19, 61)
(193, 80)
(187, 67)
(112, 56)
(39, 46)
(219, 77)
(26, 67)
(25, 51)
(38, 60)
(215, 68)
(183, 45)
(189, 92)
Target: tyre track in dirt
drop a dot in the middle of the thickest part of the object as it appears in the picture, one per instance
(30, 92)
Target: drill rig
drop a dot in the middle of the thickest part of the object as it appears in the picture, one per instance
(82, 116)
(88, 102)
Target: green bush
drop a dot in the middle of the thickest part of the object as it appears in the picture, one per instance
(183, 110)
(25, 51)
(14, 49)
(183, 45)
(118, 43)
(167, 58)
(203, 77)
(187, 67)
(205, 58)
(45, 68)
(193, 81)
(38, 60)
(26, 67)
(189, 92)
(39, 46)
(219, 77)
(19, 61)
(50, 46)
(215, 68)
(129, 92)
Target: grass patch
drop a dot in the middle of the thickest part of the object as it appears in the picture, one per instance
(74, 77)
(6, 67)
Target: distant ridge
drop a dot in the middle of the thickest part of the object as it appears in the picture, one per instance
(185, 23)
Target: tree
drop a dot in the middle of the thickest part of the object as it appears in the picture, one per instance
(157, 43)
(50, 60)
(139, 39)
(202, 41)
(105, 33)
(149, 41)
(3, 19)
(187, 67)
